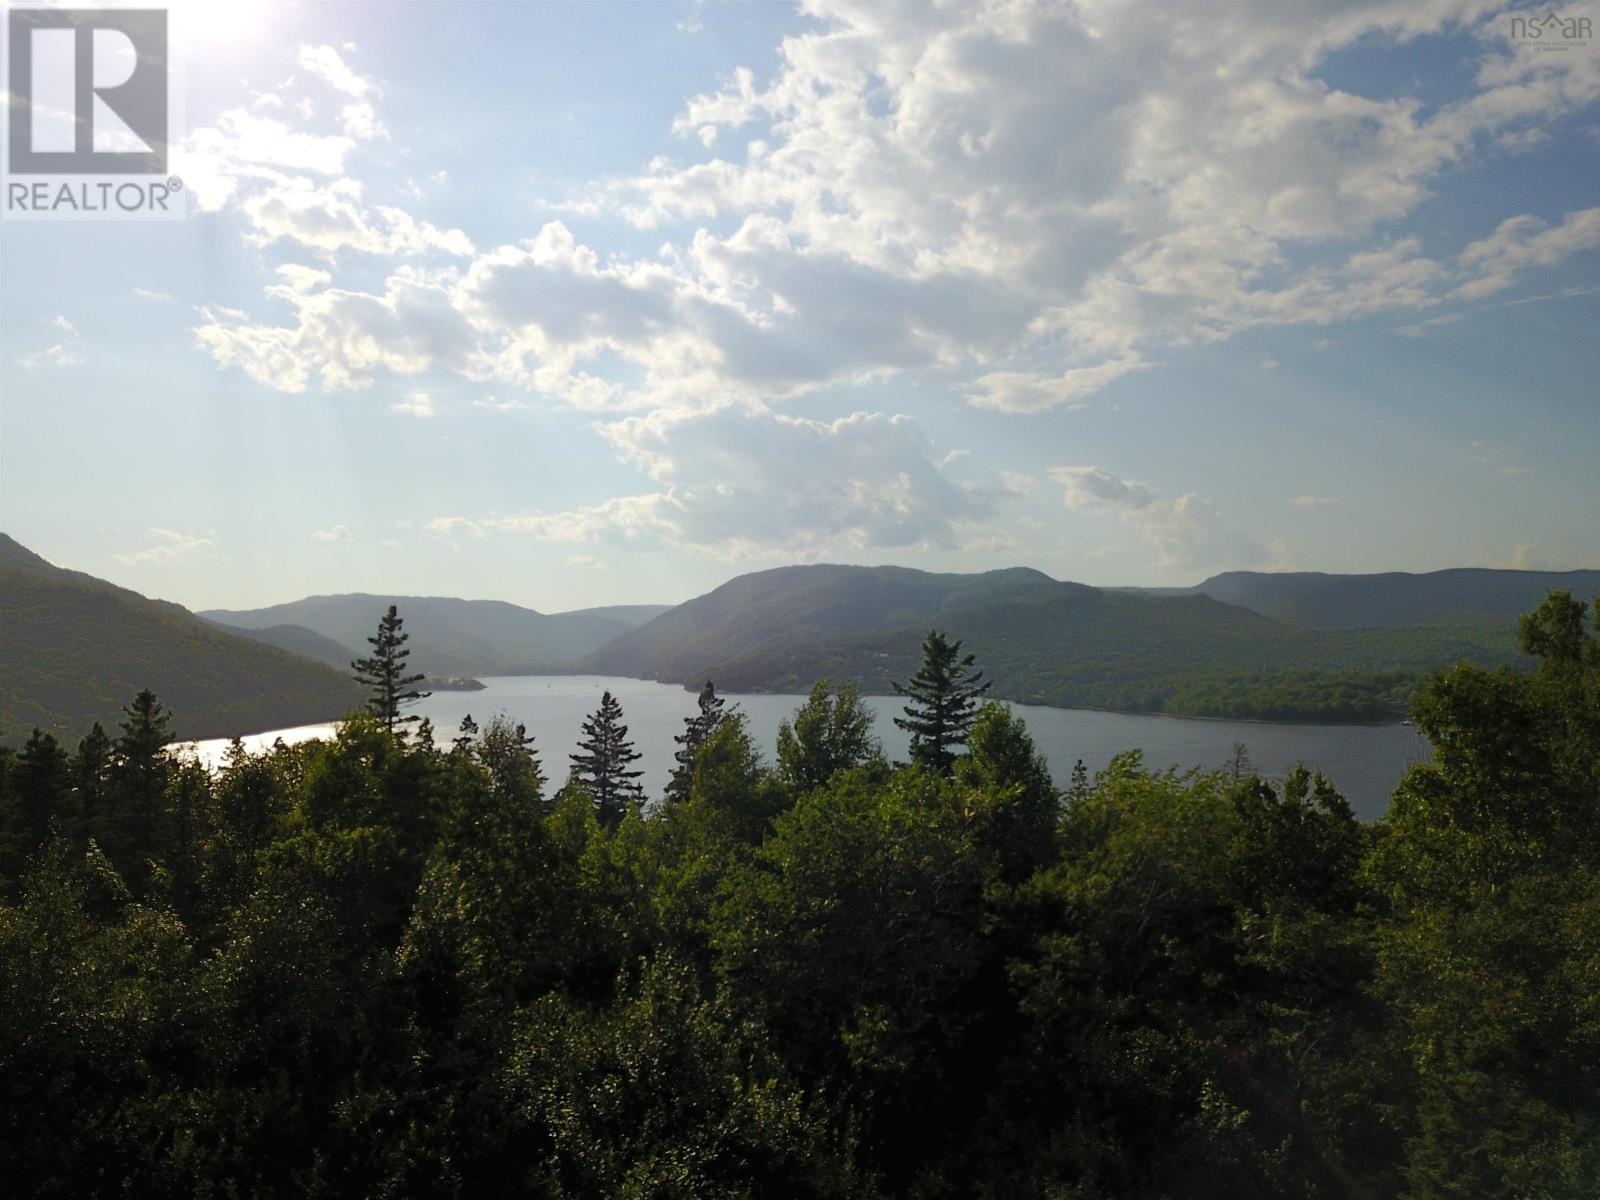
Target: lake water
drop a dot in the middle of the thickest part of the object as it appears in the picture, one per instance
(1364, 762)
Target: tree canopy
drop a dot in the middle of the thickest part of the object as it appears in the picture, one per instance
(370, 965)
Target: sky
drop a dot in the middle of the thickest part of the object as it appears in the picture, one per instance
(582, 304)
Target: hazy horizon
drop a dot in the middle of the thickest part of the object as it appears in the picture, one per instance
(568, 305)
(273, 602)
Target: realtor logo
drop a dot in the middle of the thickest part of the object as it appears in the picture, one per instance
(93, 105)
(88, 91)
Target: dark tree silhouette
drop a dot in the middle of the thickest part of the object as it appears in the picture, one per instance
(602, 762)
(385, 673)
(944, 702)
(139, 776)
(91, 774)
(698, 729)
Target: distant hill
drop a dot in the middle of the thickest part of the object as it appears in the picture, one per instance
(296, 639)
(75, 649)
(450, 636)
(1041, 640)
(1463, 596)
(631, 615)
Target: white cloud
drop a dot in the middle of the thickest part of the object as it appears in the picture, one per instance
(585, 561)
(745, 481)
(343, 337)
(1095, 487)
(326, 64)
(167, 545)
(905, 197)
(1024, 392)
(1015, 483)
(417, 404)
(334, 533)
(52, 356)
(1523, 242)
(1312, 501)
(65, 326)
(147, 294)
(331, 217)
(1187, 533)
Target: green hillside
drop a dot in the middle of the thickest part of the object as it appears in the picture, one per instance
(296, 639)
(1462, 596)
(75, 649)
(451, 636)
(1042, 641)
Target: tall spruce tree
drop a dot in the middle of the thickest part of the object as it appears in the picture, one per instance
(91, 772)
(698, 729)
(603, 760)
(139, 776)
(944, 702)
(384, 671)
(40, 786)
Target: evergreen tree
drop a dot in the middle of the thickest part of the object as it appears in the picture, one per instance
(698, 729)
(139, 776)
(91, 775)
(384, 671)
(602, 762)
(944, 702)
(39, 784)
(1078, 789)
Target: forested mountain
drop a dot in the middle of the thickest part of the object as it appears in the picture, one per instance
(1044, 641)
(1463, 596)
(296, 639)
(451, 636)
(73, 648)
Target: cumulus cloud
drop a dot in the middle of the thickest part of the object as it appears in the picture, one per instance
(334, 533)
(167, 545)
(331, 217)
(1187, 533)
(417, 404)
(744, 481)
(51, 356)
(328, 65)
(903, 195)
(343, 337)
(1095, 487)
(1523, 242)
(1024, 392)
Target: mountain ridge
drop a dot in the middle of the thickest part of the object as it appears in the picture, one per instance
(74, 649)
(1394, 599)
(449, 635)
(1043, 641)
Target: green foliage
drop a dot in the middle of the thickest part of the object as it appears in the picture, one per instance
(698, 728)
(372, 966)
(943, 702)
(829, 734)
(383, 673)
(1490, 864)
(604, 763)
